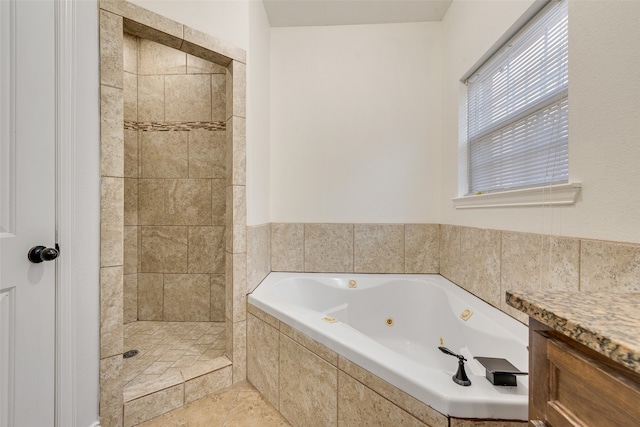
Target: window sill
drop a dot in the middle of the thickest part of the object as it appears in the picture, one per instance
(554, 195)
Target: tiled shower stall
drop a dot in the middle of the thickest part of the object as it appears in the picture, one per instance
(174, 187)
(173, 213)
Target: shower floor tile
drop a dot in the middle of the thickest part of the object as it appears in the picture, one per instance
(170, 353)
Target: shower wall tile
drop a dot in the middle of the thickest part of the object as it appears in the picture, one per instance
(413, 406)
(164, 155)
(148, 33)
(237, 310)
(111, 132)
(130, 249)
(301, 370)
(239, 336)
(187, 298)
(378, 248)
(152, 405)
(214, 45)
(196, 65)
(111, 49)
(263, 359)
(111, 221)
(422, 248)
(609, 267)
(218, 95)
(228, 102)
(207, 154)
(151, 98)
(228, 338)
(258, 255)
(287, 247)
(164, 249)
(206, 250)
(188, 98)
(236, 92)
(228, 290)
(237, 222)
(480, 266)
(235, 151)
(450, 261)
(156, 58)
(130, 97)
(130, 201)
(150, 296)
(131, 153)
(130, 54)
(218, 295)
(144, 17)
(219, 200)
(111, 401)
(187, 202)
(328, 248)
(111, 298)
(130, 300)
(151, 202)
(359, 405)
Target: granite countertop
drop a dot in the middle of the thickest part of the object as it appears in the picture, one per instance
(604, 322)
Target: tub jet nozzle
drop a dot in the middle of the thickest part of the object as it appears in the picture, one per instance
(460, 376)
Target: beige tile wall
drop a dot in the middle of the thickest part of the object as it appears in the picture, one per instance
(175, 187)
(355, 248)
(490, 262)
(487, 263)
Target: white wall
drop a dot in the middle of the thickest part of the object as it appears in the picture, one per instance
(258, 115)
(86, 251)
(355, 123)
(604, 117)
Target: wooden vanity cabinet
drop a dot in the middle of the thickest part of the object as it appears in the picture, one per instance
(571, 385)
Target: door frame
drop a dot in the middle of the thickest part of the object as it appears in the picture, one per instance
(77, 213)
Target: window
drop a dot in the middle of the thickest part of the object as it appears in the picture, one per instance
(517, 109)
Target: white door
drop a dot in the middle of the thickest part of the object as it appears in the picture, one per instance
(27, 212)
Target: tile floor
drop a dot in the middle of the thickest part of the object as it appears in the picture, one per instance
(238, 406)
(167, 351)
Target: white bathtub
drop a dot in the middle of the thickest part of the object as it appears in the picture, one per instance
(423, 309)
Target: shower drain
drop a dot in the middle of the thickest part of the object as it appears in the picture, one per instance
(130, 353)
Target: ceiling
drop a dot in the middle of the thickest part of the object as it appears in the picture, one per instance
(298, 13)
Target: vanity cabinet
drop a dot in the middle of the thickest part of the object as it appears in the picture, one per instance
(572, 385)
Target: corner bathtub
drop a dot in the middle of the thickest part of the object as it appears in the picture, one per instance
(392, 325)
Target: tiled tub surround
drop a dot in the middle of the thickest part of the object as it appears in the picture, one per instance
(288, 367)
(175, 179)
(117, 18)
(425, 312)
(486, 263)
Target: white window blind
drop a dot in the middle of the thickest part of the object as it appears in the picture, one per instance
(518, 109)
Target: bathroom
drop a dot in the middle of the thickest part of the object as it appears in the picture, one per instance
(356, 165)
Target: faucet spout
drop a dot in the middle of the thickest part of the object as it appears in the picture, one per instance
(460, 376)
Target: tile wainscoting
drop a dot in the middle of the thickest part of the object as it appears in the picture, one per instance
(484, 262)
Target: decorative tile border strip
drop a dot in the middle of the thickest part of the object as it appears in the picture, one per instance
(174, 126)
